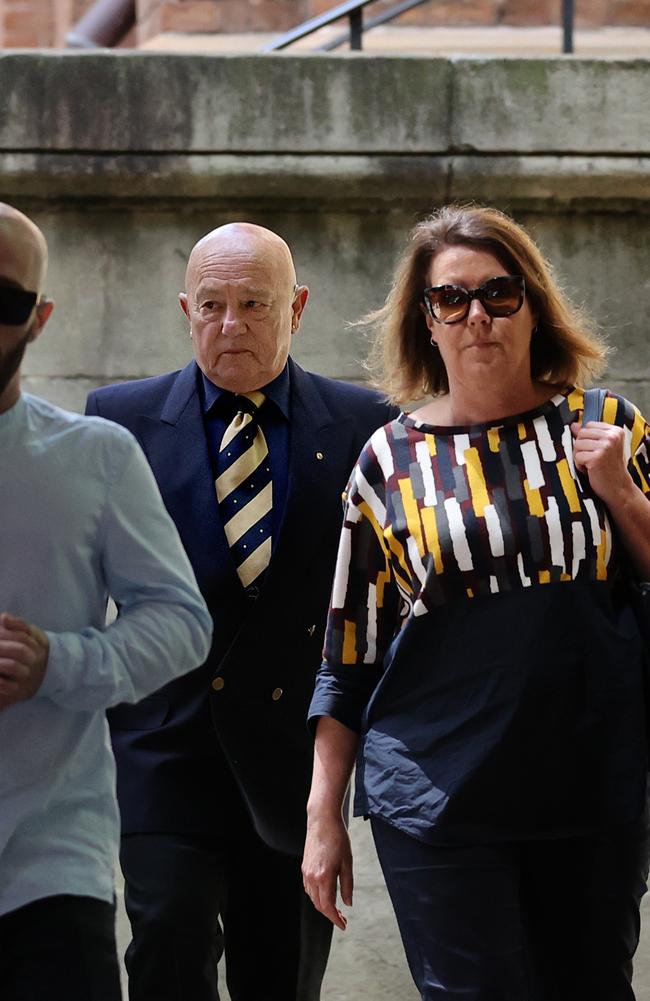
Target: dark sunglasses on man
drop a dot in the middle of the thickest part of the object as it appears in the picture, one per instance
(502, 296)
(16, 305)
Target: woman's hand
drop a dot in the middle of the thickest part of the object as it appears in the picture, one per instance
(328, 855)
(326, 862)
(599, 451)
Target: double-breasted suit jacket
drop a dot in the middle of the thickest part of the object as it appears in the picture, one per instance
(242, 714)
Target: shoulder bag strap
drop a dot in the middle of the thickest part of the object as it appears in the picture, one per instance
(594, 403)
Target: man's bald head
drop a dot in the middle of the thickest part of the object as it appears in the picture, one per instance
(23, 250)
(23, 263)
(243, 304)
(242, 240)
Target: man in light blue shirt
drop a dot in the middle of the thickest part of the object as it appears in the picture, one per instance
(81, 519)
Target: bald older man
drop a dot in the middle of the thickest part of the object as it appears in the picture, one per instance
(80, 519)
(251, 454)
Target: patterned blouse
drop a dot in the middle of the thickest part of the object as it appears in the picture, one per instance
(459, 525)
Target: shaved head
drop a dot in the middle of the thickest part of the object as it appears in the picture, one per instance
(23, 264)
(243, 304)
(242, 239)
(23, 250)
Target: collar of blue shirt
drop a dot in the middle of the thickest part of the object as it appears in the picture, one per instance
(277, 391)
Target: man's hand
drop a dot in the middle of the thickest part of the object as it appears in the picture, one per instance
(24, 650)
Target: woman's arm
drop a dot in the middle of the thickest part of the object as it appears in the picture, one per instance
(328, 855)
(362, 621)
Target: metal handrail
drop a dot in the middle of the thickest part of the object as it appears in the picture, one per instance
(353, 10)
(567, 25)
(374, 22)
(103, 25)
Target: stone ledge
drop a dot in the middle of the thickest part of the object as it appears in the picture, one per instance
(120, 101)
(561, 105)
(346, 181)
(132, 102)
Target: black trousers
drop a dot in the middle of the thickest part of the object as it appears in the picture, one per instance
(59, 949)
(533, 921)
(190, 899)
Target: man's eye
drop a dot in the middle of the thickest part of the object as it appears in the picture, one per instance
(208, 304)
(253, 303)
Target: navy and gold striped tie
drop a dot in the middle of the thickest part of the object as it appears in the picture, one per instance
(245, 490)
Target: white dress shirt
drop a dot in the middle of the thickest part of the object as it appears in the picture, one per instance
(81, 519)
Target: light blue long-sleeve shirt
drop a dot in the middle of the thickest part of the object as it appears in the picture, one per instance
(81, 519)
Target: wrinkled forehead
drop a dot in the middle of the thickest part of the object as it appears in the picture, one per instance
(23, 253)
(246, 272)
(242, 256)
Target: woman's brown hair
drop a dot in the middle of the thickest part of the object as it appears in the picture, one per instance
(565, 349)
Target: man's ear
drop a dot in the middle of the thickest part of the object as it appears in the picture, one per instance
(43, 312)
(299, 302)
(182, 300)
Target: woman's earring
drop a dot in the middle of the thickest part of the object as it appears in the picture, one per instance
(434, 343)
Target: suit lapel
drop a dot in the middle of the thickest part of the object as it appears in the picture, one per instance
(177, 450)
(317, 453)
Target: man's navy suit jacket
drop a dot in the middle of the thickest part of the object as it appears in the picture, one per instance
(178, 749)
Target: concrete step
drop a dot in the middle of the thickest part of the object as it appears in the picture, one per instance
(392, 39)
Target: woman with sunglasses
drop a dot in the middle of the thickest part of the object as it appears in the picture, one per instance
(475, 660)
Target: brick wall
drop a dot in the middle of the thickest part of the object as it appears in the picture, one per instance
(44, 23)
(38, 23)
(155, 16)
(26, 23)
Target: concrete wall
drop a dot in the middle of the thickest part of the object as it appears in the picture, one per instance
(126, 159)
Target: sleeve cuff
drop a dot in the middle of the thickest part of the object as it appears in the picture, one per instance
(52, 683)
(342, 692)
(329, 707)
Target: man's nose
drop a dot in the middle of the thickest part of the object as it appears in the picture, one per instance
(233, 322)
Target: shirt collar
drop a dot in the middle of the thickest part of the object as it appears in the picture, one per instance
(277, 391)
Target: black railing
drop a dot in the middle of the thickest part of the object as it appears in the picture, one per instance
(353, 10)
(373, 22)
(567, 25)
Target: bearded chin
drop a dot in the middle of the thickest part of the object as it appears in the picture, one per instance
(10, 364)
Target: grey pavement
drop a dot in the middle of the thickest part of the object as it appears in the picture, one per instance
(367, 963)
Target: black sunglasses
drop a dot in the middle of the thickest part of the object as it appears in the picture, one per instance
(501, 296)
(16, 305)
